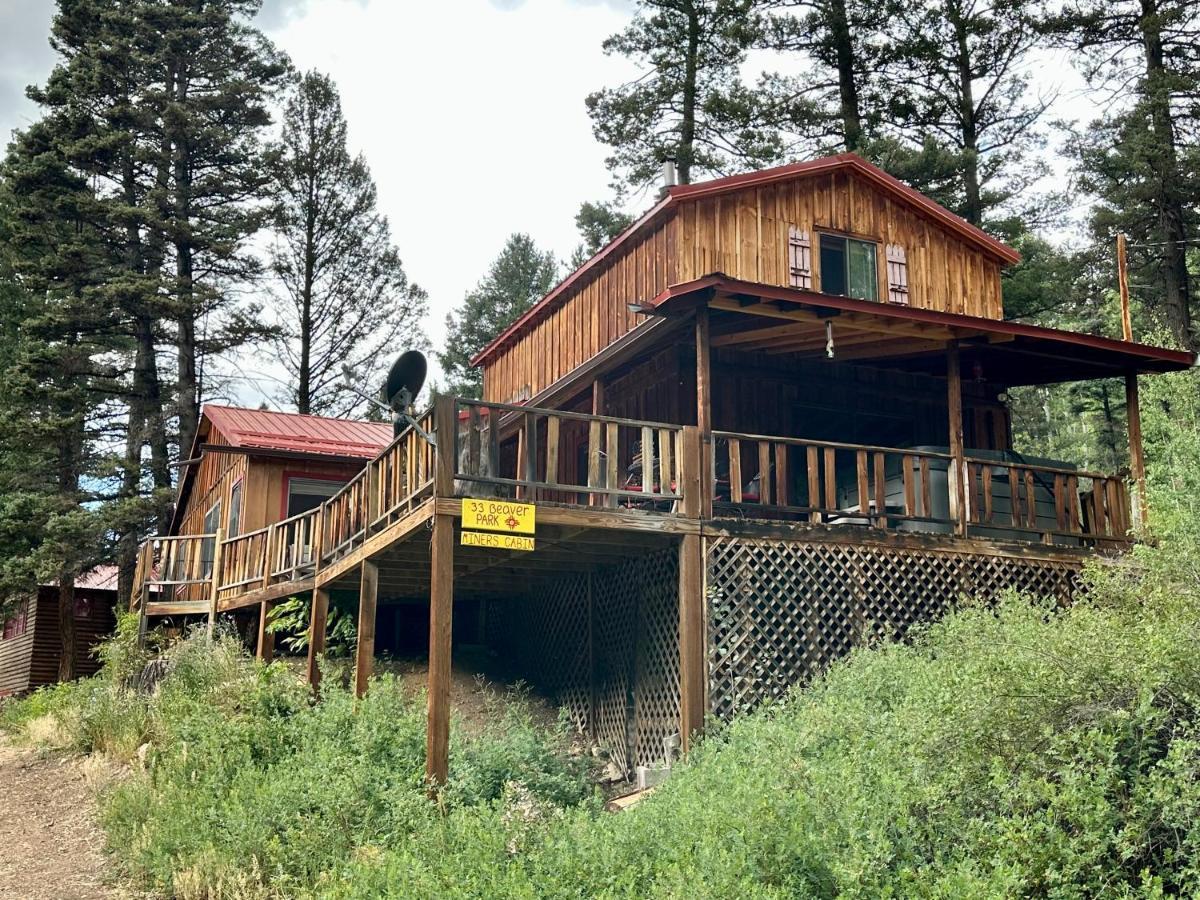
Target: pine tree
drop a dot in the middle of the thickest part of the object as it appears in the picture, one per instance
(347, 300)
(97, 125)
(835, 103)
(211, 79)
(519, 277)
(688, 103)
(958, 80)
(1141, 161)
(598, 224)
(56, 379)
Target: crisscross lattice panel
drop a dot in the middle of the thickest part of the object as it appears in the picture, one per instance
(606, 646)
(656, 682)
(782, 611)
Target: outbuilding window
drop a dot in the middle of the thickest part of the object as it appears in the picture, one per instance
(15, 624)
(848, 268)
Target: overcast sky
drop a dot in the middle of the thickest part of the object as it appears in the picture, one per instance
(470, 113)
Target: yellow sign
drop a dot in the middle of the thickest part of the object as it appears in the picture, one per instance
(498, 541)
(498, 515)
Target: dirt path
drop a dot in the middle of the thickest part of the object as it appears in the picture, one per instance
(48, 835)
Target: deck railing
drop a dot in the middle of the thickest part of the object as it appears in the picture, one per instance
(577, 459)
(175, 568)
(566, 457)
(762, 476)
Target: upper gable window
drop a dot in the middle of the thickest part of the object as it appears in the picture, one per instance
(848, 268)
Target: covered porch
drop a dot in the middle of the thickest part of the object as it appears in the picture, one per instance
(850, 414)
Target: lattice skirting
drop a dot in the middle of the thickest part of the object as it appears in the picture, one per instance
(782, 611)
(606, 647)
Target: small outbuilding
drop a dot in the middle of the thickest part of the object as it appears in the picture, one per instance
(30, 641)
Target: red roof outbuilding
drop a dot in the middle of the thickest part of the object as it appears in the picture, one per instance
(263, 429)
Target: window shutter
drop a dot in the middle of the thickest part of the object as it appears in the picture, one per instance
(897, 274)
(799, 258)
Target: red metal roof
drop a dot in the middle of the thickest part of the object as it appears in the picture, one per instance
(842, 161)
(269, 430)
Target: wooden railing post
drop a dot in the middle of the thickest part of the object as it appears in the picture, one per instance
(445, 433)
(216, 584)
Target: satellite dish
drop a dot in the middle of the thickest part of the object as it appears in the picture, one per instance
(405, 380)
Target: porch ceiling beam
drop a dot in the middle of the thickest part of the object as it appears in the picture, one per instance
(844, 320)
(878, 350)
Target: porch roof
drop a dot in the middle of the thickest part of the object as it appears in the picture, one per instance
(779, 320)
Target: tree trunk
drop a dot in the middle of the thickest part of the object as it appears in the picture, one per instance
(304, 389)
(1176, 294)
(687, 127)
(972, 205)
(839, 29)
(188, 401)
(66, 624)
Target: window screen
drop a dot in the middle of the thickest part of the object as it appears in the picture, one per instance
(309, 493)
(848, 268)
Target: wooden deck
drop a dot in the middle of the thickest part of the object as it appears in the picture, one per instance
(606, 489)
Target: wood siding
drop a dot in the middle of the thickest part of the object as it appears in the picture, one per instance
(593, 316)
(744, 234)
(30, 660)
(263, 484)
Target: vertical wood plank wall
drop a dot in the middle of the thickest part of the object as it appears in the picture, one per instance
(263, 485)
(743, 235)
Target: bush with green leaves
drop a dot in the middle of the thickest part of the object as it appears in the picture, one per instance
(1020, 749)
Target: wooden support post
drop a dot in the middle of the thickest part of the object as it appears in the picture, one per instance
(266, 640)
(693, 667)
(958, 500)
(704, 410)
(597, 397)
(1123, 288)
(215, 584)
(364, 655)
(441, 603)
(1137, 458)
(316, 635)
(441, 610)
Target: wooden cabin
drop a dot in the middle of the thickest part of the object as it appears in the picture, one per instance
(30, 641)
(766, 423)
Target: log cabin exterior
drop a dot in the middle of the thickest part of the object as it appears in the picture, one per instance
(766, 423)
(30, 642)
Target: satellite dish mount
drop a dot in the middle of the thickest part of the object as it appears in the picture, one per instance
(404, 382)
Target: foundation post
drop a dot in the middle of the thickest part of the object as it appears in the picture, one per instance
(441, 600)
(693, 668)
(364, 655)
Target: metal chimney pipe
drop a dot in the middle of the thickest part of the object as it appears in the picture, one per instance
(668, 176)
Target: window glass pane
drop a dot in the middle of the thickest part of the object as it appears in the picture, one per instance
(864, 277)
(235, 510)
(208, 546)
(833, 265)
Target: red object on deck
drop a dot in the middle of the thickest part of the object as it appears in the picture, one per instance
(268, 430)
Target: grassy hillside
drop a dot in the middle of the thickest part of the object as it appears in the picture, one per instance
(1021, 750)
